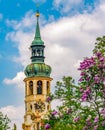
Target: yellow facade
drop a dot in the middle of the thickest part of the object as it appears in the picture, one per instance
(33, 113)
(37, 84)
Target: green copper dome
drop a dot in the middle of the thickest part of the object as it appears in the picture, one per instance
(38, 69)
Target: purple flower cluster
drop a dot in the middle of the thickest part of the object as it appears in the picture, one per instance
(89, 124)
(52, 116)
(103, 91)
(101, 60)
(96, 119)
(92, 83)
(98, 54)
(95, 127)
(85, 94)
(47, 126)
(48, 99)
(76, 119)
(54, 112)
(92, 75)
(103, 112)
(97, 79)
(87, 63)
(88, 121)
(85, 128)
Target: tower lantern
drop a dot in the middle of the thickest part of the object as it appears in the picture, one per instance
(37, 84)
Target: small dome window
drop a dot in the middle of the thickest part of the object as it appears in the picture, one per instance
(30, 88)
(39, 87)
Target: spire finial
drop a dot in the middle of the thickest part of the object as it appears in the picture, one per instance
(37, 11)
(37, 33)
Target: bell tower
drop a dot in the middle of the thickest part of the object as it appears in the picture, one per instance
(37, 84)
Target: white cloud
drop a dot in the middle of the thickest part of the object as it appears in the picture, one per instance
(17, 80)
(76, 34)
(15, 114)
(23, 40)
(26, 21)
(65, 6)
(67, 40)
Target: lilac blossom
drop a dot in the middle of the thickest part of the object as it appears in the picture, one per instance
(47, 126)
(76, 119)
(103, 112)
(88, 121)
(96, 79)
(48, 99)
(95, 127)
(92, 90)
(96, 119)
(98, 54)
(85, 128)
(54, 112)
(85, 94)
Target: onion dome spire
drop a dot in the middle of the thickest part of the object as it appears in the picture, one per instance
(37, 66)
(37, 45)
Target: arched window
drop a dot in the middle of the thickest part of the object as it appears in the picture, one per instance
(48, 87)
(30, 88)
(38, 52)
(39, 87)
(42, 52)
(34, 52)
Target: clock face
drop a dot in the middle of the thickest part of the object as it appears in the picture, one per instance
(39, 106)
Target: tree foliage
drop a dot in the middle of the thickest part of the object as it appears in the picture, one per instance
(83, 106)
(4, 122)
(100, 45)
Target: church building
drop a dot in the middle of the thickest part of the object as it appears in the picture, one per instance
(37, 84)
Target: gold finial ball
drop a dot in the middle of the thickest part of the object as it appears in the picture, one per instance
(37, 14)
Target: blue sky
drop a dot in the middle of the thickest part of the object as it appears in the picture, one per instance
(69, 29)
